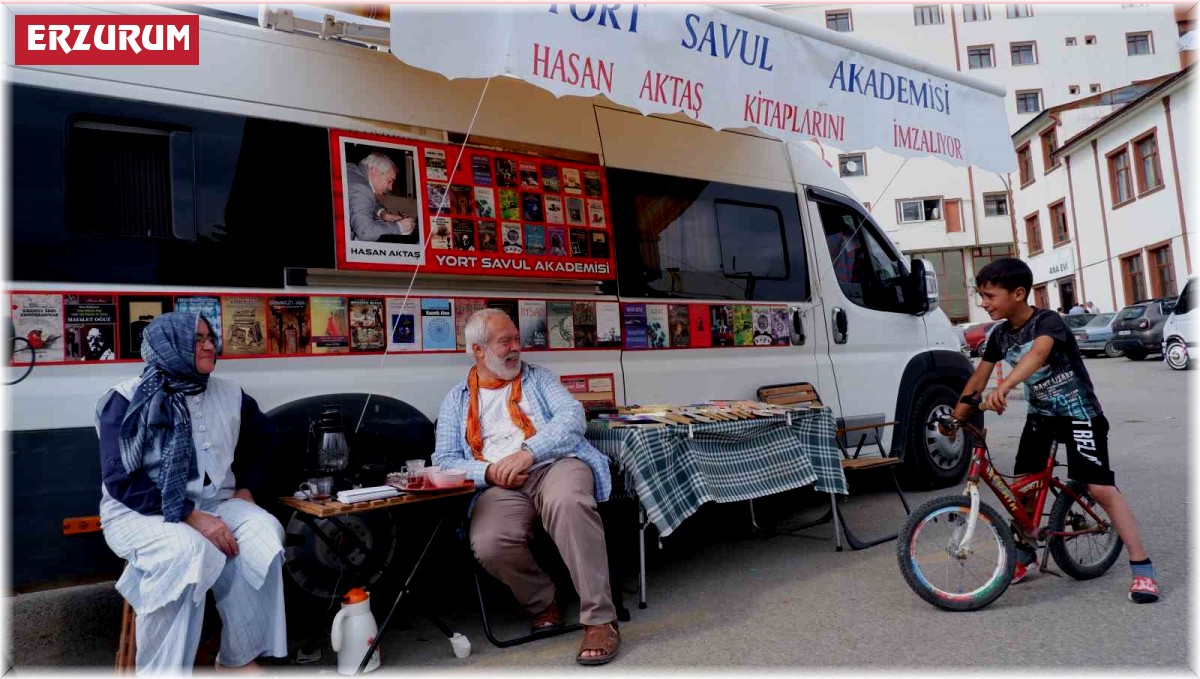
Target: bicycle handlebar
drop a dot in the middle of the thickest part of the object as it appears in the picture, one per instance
(952, 423)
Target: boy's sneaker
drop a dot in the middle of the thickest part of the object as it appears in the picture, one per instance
(1142, 591)
(1021, 572)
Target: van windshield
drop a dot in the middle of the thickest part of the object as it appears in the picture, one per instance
(1130, 313)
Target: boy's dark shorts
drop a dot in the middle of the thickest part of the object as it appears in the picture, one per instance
(1086, 442)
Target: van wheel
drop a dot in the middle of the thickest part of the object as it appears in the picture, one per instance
(932, 460)
(1136, 354)
(1177, 355)
(1111, 350)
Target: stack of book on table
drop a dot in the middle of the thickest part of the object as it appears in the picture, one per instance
(367, 494)
(696, 413)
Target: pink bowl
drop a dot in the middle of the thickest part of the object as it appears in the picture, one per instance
(447, 478)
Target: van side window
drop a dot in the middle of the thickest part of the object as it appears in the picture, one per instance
(1187, 299)
(679, 237)
(130, 181)
(866, 271)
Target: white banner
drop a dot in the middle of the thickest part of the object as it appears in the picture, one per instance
(720, 68)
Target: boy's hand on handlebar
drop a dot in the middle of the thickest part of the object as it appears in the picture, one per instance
(997, 400)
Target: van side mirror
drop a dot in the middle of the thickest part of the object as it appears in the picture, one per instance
(922, 287)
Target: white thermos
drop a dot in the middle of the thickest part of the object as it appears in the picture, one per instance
(353, 631)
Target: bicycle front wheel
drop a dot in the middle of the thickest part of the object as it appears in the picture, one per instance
(1093, 546)
(944, 571)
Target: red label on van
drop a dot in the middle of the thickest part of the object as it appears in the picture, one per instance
(89, 40)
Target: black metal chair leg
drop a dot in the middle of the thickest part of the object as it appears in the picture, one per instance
(853, 541)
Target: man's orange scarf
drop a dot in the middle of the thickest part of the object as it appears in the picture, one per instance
(475, 426)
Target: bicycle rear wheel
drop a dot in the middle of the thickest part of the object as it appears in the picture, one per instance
(927, 551)
(1087, 555)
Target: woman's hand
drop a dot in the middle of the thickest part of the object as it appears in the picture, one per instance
(213, 528)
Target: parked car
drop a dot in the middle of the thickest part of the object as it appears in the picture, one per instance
(1076, 321)
(960, 332)
(976, 334)
(1095, 338)
(1181, 329)
(1138, 329)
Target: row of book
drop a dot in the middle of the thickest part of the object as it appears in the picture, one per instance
(83, 327)
(696, 413)
(514, 238)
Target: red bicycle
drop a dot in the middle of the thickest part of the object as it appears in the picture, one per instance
(958, 553)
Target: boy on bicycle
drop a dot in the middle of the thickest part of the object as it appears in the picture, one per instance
(1062, 407)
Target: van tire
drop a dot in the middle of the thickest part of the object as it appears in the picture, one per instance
(926, 463)
(1176, 355)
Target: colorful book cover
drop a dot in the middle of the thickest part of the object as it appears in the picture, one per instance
(550, 178)
(529, 177)
(635, 326)
(38, 319)
(481, 170)
(367, 329)
(440, 233)
(436, 194)
(743, 325)
(485, 202)
(464, 234)
(554, 209)
(781, 327)
(762, 336)
(700, 323)
(677, 316)
(595, 211)
(658, 327)
(437, 324)
(556, 239)
(561, 324)
(722, 325)
(584, 323)
(535, 240)
(464, 308)
(575, 211)
(591, 183)
(608, 324)
(579, 243)
(533, 324)
(207, 306)
(462, 200)
(571, 183)
(599, 245)
(506, 173)
(331, 328)
(513, 242)
(510, 204)
(531, 207)
(404, 324)
(290, 329)
(508, 306)
(135, 313)
(245, 321)
(435, 164)
(487, 237)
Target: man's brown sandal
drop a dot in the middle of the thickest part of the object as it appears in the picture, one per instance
(605, 638)
(550, 618)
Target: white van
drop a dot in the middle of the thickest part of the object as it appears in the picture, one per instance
(223, 187)
(1181, 332)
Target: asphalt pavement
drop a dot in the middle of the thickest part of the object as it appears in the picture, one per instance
(721, 598)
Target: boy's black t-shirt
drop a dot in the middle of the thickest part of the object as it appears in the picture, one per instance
(1061, 387)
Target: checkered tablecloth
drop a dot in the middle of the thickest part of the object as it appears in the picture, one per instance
(673, 470)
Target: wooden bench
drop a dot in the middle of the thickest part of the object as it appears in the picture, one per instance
(866, 433)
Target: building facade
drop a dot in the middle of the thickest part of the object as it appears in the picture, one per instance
(1044, 55)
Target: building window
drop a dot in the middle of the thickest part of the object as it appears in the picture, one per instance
(1162, 272)
(1049, 145)
(984, 255)
(1138, 43)
(1119, 177)
(1029, 101)
(927, 15)
(1094, 88)
(1070, 42)
(1089, 40)
(1058, 223)
(1149, 171)
(1033, 234)
(976, 13)
(1041, 296)
(920, 209)
(852, 165)
(980, 57)
(1019, 11)
(995, 204)
(1135, 282)
(1023, 53)
(838, 20)
(1073, 89)
(1025, 164)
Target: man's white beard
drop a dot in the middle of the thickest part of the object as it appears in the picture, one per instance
(496, 365)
